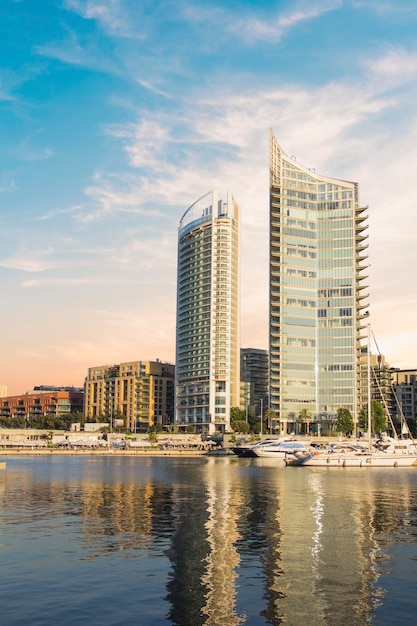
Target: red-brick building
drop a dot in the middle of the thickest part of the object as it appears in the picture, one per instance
(49, 401)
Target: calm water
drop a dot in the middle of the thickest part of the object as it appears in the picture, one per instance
(215, 541)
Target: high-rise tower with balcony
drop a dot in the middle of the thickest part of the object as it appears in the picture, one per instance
(207, 334)
(317, 293)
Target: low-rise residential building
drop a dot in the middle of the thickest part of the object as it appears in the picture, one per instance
(395, 389)
(405, 387)
(141, 393)
(43, 401)
(381, 384)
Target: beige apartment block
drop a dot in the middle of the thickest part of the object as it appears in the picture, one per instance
(140, 393)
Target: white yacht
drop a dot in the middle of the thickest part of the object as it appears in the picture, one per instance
(282, 449)
(248, 450)
(384, 452)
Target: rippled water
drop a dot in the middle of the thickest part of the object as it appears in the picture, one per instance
(215, 541)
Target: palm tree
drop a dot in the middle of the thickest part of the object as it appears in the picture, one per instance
(271, 416)
(304, 417)
(293, 418)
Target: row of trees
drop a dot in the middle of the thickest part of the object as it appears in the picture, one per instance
(61, 422)
(344, 422)
(42, 422)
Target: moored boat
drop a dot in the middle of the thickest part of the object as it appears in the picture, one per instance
(281, 449)
(374, 458)
(248, 450)
(382, 452)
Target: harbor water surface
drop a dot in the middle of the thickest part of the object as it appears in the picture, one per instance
(215, 541)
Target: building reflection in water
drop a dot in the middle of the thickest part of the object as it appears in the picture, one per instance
(241, 541)
(222, 559)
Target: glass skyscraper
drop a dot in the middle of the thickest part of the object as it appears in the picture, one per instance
(317, 293)
(207, 334)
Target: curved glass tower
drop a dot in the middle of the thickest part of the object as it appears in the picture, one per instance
(317, 295)
(207, 335)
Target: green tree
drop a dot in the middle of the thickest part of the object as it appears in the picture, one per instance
(344, 421)
(256, 425)
(241, 426)
(153, 437)
(117, 418)
(379, 419)
(237, 415)
(75, 417)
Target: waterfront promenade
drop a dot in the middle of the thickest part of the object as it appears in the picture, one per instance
(102, 452)
(64, 443)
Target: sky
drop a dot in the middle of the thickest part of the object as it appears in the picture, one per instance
(117, 115)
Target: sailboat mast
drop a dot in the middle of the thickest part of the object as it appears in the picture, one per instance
(368, 354)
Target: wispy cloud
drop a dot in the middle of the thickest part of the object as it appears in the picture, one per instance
(230, 126)
(41, 154)
(396, 67)
(390, 8)
(68, 211)
(5, 94)
(254, 24)
(149, 86)
(7, 184)
(194, 116)
(72, 51)
(144, 142)
(273, 29)
(67, 282)
(10, 81)
(30, 260)
(112, 16)
(30, 150)
(150, 253)
(223, 143)
(130, 197)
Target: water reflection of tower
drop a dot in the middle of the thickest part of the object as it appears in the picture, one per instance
(204, 558)
(187, 554)
(322, 561)
(122, 512)
(335, 534)
(219, 579)
(259, 546)
(305, 538)
(384, 516)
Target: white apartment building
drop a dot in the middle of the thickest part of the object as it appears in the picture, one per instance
(207, 333)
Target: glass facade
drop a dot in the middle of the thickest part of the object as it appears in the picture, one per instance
(254, 369)
(207, 346)
(317, 296)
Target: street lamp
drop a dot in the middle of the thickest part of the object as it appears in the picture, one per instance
(262, 411)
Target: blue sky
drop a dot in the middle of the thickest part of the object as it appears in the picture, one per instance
(116, 115)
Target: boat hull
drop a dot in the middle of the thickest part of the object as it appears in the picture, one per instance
(371, 460)
(243, 452)
(270, 454)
